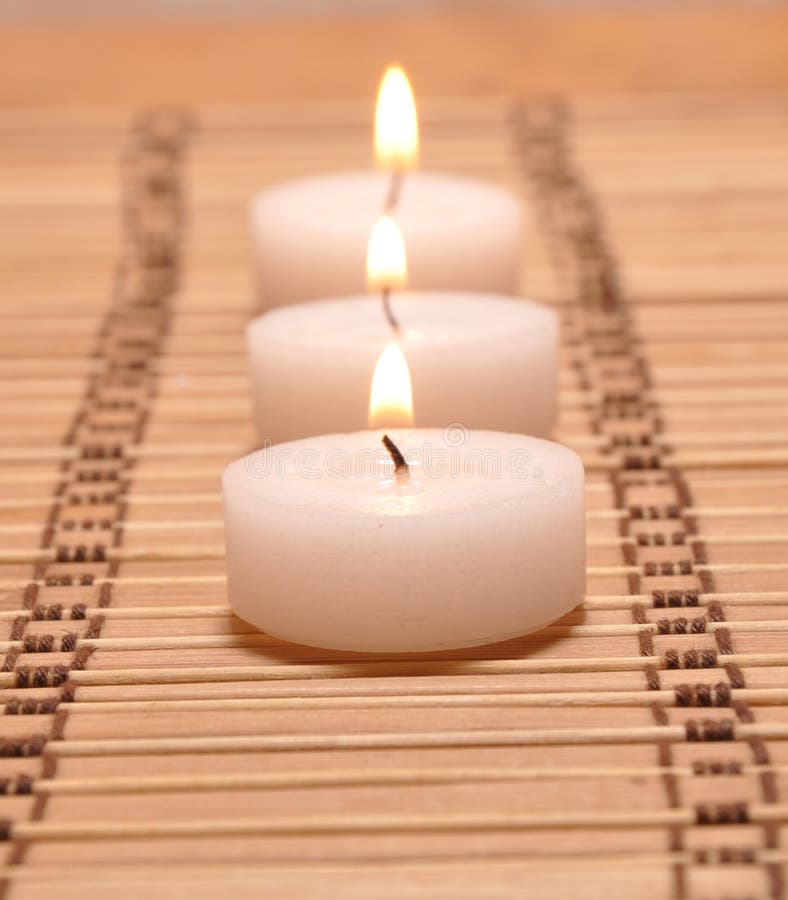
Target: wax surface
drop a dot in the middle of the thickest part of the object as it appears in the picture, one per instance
(483, 541)
(482, 361)
(310, 236)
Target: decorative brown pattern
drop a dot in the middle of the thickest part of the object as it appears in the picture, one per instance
(89, 506)
(609, 358)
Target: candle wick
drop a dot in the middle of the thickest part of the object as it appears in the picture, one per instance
(401, 468)
(385, 296)
(389, 205)
(395, 188)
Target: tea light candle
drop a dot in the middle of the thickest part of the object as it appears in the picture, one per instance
(310, 235)
(483, 540)
(488, 362)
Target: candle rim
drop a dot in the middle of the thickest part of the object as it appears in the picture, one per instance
(405, 438)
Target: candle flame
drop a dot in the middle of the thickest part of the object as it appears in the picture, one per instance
(396, 123)
(387, 262)
(391, 394)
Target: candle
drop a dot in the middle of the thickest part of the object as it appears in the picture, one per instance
(327, 547)
(310, 235)
(446, 539)
(488, 362)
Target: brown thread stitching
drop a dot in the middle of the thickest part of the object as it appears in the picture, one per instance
(18, 628)
(94, 628)
(722, 814)
(758, 747)
(162, 255)
(735, 675)
(652, 678)
(724, 643)
(30, 595)
(702, 694)
(546, 157)
(23, 747)
(709, 730)
(105, 594)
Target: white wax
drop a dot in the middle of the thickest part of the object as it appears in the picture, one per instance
(310, 236)
(482, 542)
(482, 361)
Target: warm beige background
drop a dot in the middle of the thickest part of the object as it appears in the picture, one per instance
(448, 49)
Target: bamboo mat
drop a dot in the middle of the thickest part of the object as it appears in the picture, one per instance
(153, 745)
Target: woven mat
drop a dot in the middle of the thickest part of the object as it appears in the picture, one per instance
(153, 745)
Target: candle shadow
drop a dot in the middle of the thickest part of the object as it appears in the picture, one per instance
(273, 651)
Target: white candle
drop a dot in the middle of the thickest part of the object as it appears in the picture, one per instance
(487, 362)
(483, 540)
(310, 236)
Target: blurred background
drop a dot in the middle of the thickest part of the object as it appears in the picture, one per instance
(136, 51)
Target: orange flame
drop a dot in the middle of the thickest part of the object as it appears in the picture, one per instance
(396, 123)
(391, 394)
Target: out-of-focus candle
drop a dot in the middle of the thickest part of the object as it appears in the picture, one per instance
(310, 235)
(483, 361)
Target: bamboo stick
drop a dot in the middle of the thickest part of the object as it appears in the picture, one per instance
(295, 670)
(592, 864)
(586, 698)
(306, 780)
(256, 639)
(367, 824)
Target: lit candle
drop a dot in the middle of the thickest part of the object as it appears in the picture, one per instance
(441, 540)
(310, 235)
(487, 361)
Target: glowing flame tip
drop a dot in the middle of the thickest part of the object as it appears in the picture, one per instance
(396, 123)
(387, 263)
(391, 394)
